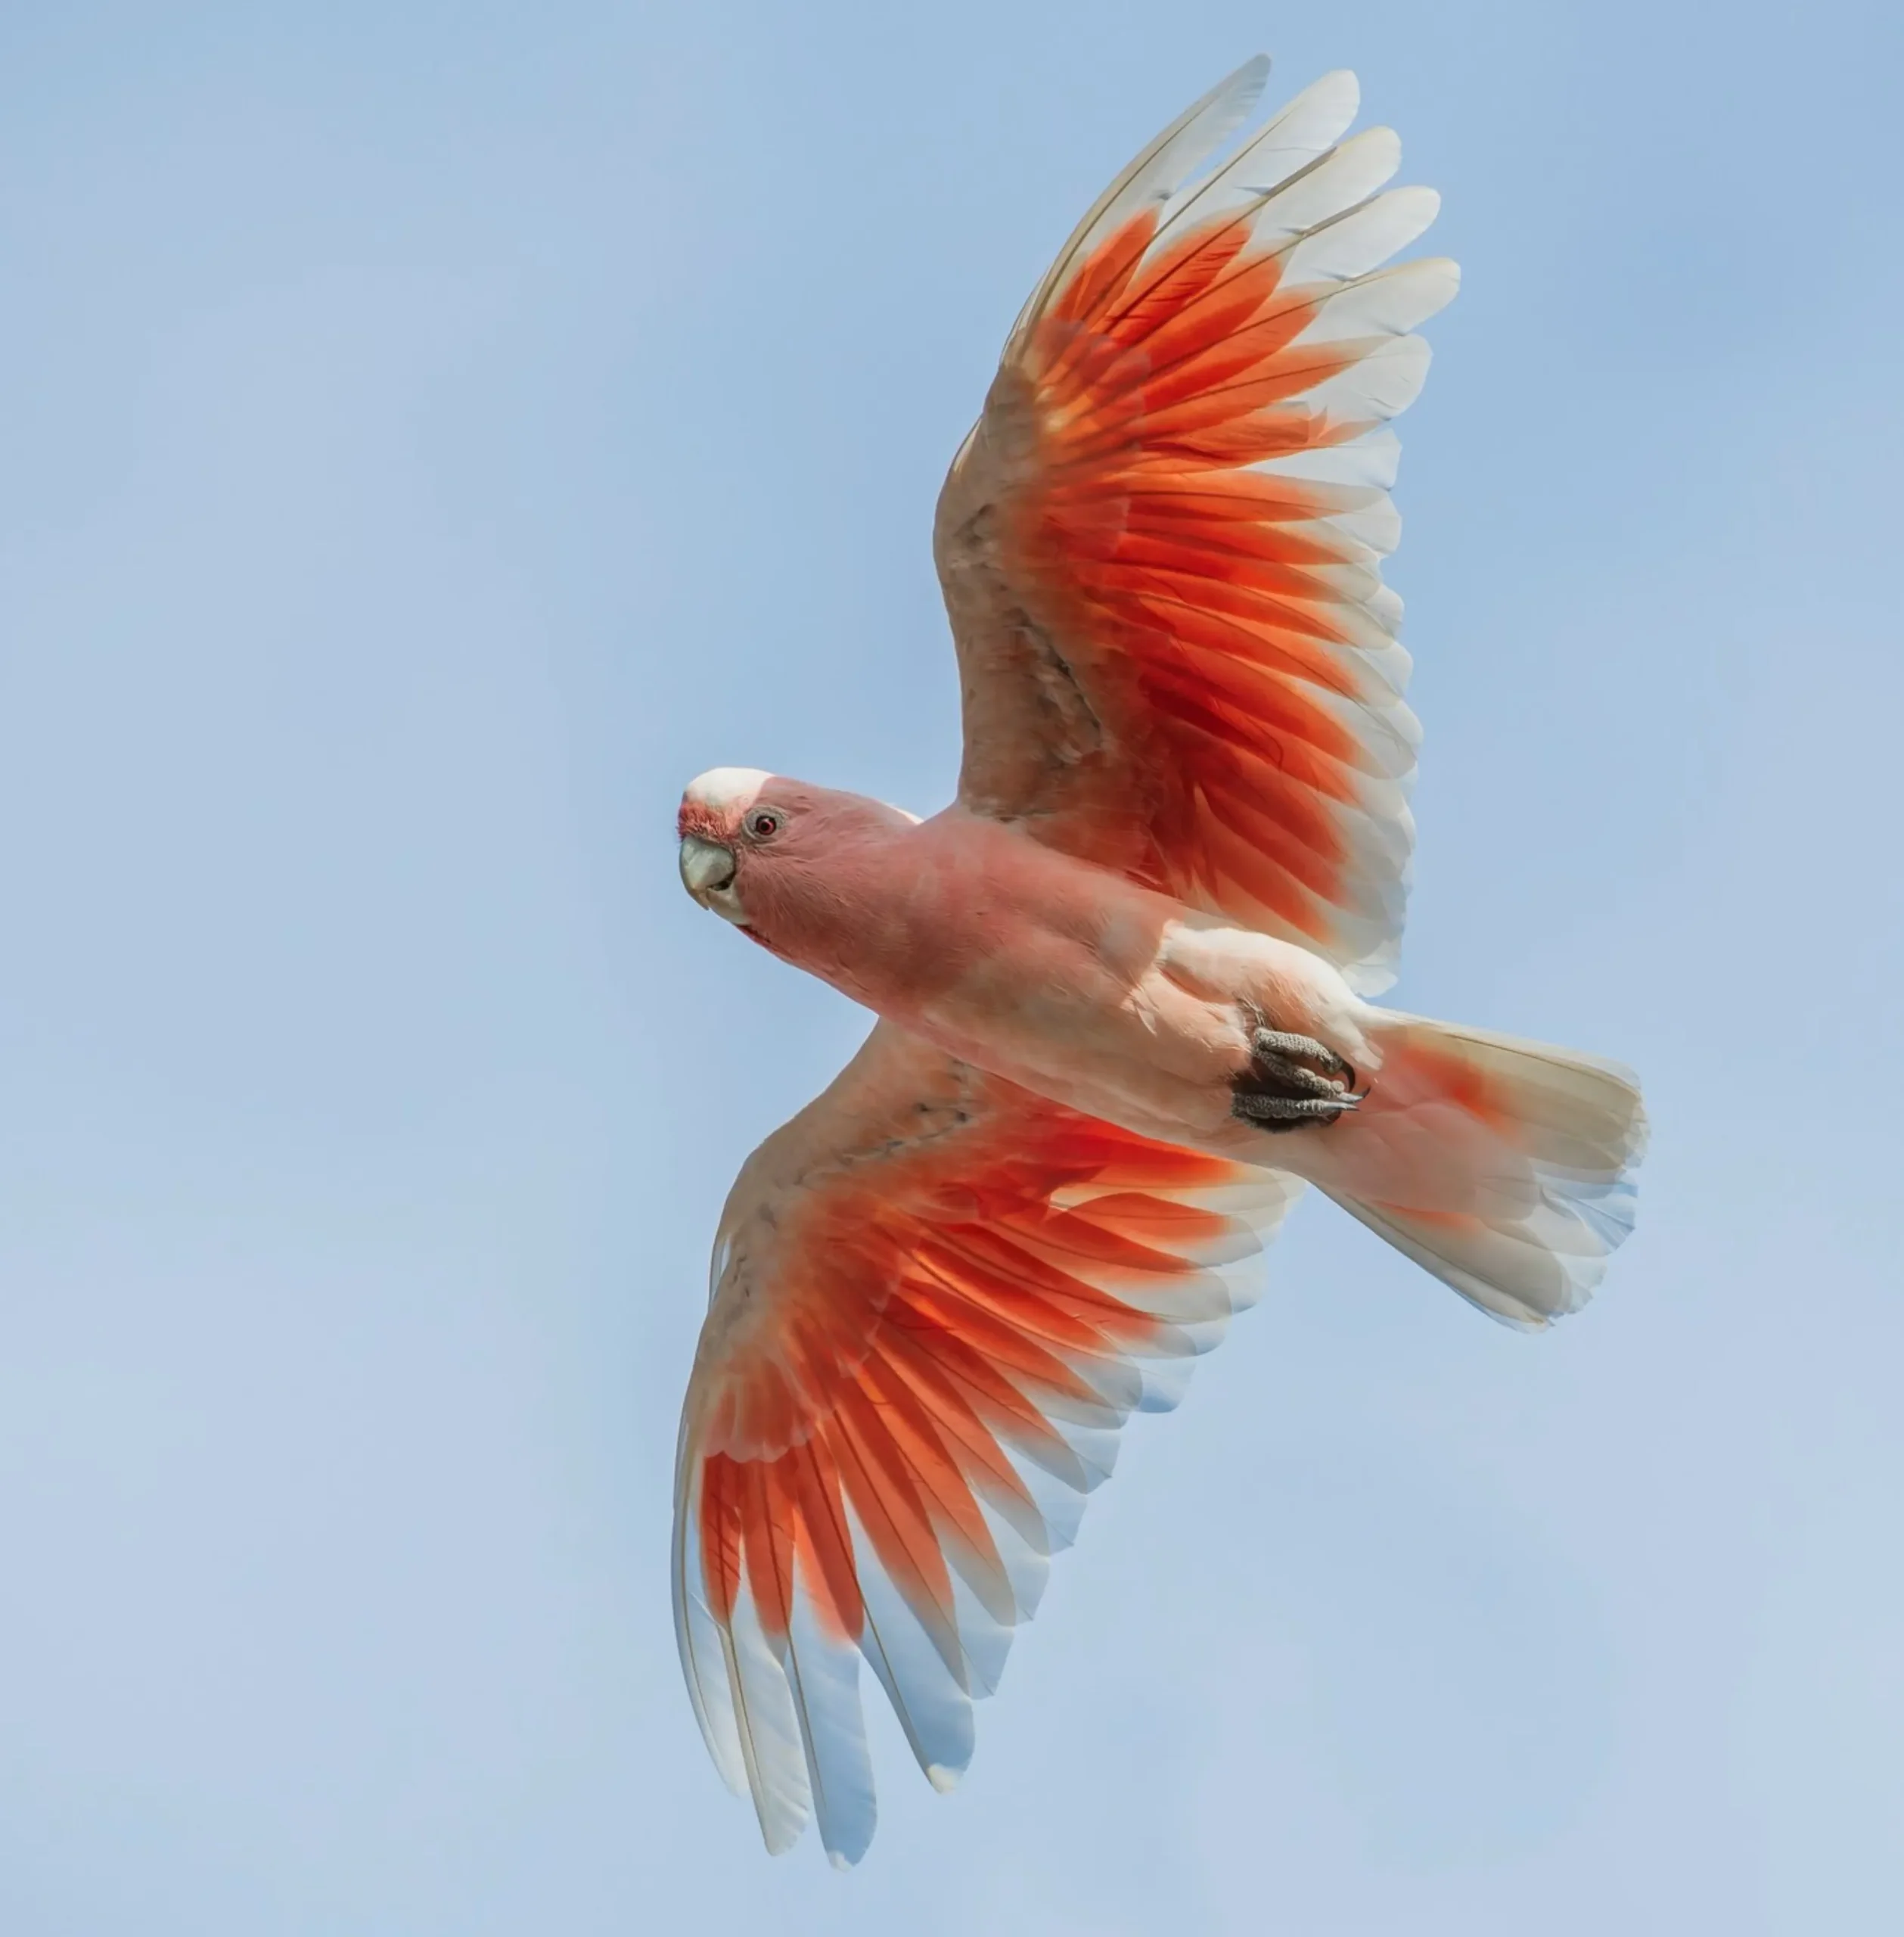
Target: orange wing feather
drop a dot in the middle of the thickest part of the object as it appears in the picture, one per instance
(940, 1296)
(1161, 546)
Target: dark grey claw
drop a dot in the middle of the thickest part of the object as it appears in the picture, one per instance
(1281, 1090)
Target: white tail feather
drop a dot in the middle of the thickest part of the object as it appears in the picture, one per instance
(1504, 1166)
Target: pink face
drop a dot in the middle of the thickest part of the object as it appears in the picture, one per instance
(727, 816)
(772, 855)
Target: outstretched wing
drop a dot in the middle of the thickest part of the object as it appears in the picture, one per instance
(936, 1298)
(1161, 546)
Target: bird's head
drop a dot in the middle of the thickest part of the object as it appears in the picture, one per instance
(757, 848)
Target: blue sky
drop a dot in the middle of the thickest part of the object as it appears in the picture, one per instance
(433, 434)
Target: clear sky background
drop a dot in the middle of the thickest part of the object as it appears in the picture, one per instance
(429, 434)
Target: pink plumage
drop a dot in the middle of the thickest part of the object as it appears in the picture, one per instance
(1122, 982)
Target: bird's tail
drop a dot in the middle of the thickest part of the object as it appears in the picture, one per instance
(1504, 1168)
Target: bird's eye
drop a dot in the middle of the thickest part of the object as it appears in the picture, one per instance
(762, 822)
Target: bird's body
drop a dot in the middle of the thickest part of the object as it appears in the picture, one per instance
(1122, 982)
(1050, 972)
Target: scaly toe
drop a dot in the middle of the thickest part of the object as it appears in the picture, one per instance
(1280, 1046)
(1284, 1113)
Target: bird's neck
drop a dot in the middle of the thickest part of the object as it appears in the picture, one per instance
(869, 915)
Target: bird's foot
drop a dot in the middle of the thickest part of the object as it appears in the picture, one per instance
(1292, 1081)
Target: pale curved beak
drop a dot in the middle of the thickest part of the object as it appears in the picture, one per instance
(706, 867)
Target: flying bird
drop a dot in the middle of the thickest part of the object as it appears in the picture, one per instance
(1121, 984)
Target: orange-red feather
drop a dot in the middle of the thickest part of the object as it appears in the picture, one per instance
(933, 1320)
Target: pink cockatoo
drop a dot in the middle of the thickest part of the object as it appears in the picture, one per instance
(1121, 982)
